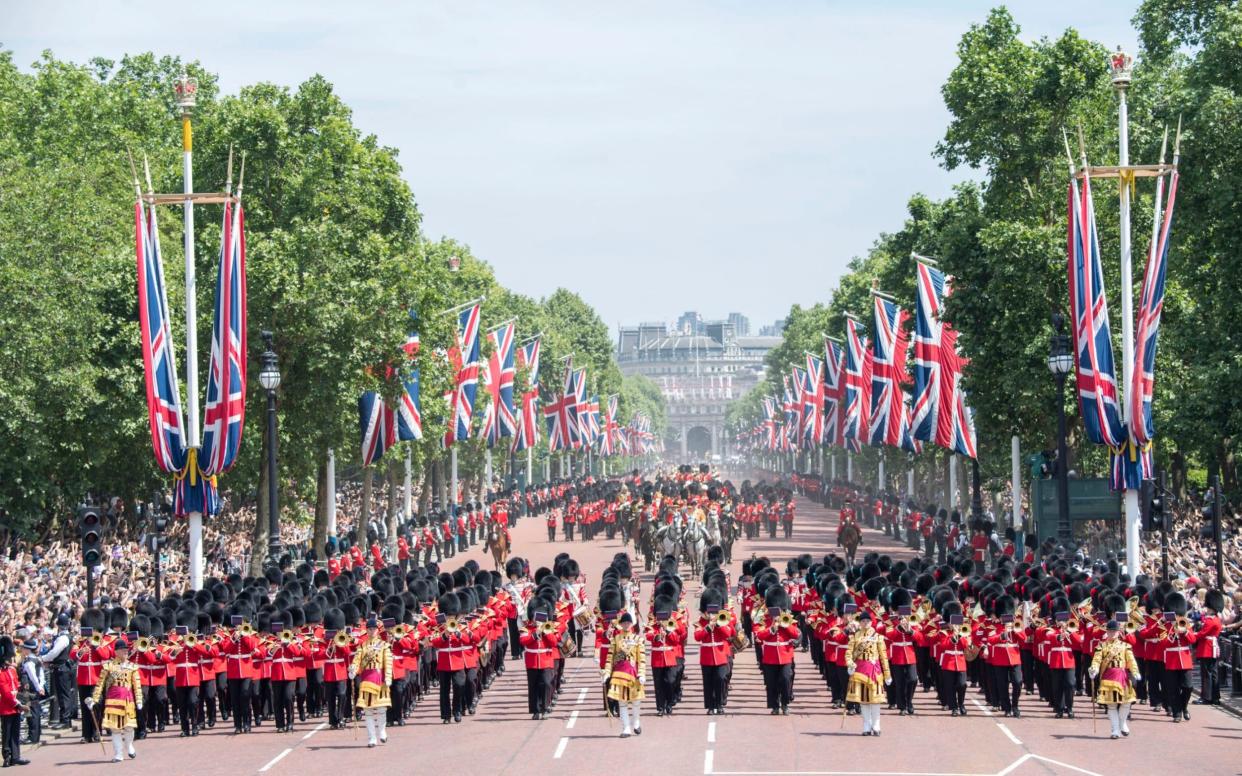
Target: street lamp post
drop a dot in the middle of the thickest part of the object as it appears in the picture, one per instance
(269, 378)
(1060, 363)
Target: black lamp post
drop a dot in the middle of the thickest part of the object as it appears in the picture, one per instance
(1061, 363)
(269, 378)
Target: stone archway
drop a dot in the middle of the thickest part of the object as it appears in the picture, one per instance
(698, 443)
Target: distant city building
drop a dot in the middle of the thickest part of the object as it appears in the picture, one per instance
(741, 324)
(777, 329)
(690, 322)
(698, 373)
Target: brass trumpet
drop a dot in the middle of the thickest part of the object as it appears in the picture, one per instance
(96, 640)
(1181, 625)
(246, 629)
(1071, 626)
(785, 620)
(400, 631)
(722, 618)
(190, 641)
(547, 627)
(341, 639)
(286, 636)
(962, 631)
(670, 624)
(452, 625)
(1019, 623)
(143, 644)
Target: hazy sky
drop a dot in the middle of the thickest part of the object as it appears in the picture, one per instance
(653, 156)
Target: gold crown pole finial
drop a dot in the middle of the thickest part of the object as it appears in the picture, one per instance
(1121, 65)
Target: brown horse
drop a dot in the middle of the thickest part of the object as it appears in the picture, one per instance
(849, 538)
(498, 545)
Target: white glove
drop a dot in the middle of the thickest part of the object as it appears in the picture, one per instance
(1138, 677)
(352, 673)
(850, 672)
(1093, 672)
(138, 707)
(888, 681)
(90, 703)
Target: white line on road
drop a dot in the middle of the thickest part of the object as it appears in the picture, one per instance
(1009, 733)
(982, 708)
(582, 695)
(573, 720)
(275, 760)
(318, 727)
(711, 732)
(708, 756)
(560, 748)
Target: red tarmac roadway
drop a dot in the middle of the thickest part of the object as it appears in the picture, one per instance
(578, 738)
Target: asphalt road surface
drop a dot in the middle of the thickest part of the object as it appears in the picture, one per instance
(578, 738)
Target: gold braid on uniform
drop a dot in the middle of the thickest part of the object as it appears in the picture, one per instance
(627, 662)
(373, 667)
(1111, 656)
(120, 689)
(863, 688)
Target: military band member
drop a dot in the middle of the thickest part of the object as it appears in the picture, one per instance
(714, 632)
(776, 637)
(541, 636)
(372, 665)
(337, 651)
(665, 634)
(626, 673)
(1115, 667)
(866, 661)
(120, 689)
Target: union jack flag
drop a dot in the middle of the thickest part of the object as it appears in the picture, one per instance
(409, 407)
(1093, 346)
(769, 421)
(464, 357)
(527, 434)
(528, 356)
(498, 420)
(226, 384)
(962, 422)
(857, 387)
(582, 410)
(1142, 429)
(562, 415)
(888, 372)
(932, 401)
(793, 410)
(813, 400)
(834, 389)
(376, 421)
(158, 356)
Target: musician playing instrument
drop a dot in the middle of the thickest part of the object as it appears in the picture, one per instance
(372, 666)
(120, 689)
(1115, 667)
(866, 661)
(626, 673)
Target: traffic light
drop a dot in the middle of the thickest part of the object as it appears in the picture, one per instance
(90, 531)
(1152, 506)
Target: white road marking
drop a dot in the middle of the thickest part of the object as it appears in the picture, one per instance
(573, 720)
(708, 756)
(1009, 733)
(1004, 772)
(1012, 767)
(582, 695)
(275, 760)
(560, 748)
(318, 727)
(982, 708)
(711, 732)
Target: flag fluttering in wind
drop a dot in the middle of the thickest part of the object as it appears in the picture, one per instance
(377, 424)
(226, 382)
(941, 413)
(813, 401)
(562, 414)
(888, 372)
(857, 386)
(834, 388)
(464, 357)
(527, 432)
(498, 418)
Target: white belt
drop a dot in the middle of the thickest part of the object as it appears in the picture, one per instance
(89, 664)
(451, 649)
(1061, 649)
(1177, 649)
(335, 660)
(186, 665)
(537, 651)
(952, 652)
(285, 659)
(663, 649)
(778, 643)
(903, 643)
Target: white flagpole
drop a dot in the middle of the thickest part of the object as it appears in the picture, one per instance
(452, 499)
(407, 506)
(952, 481)
(331, 492)
(186, 91)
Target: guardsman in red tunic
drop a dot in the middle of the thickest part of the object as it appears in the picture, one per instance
(777, 636)
(238, 648)
(451, 640)
(714, 632)
(152, 661)
(1005, 658)
(952, 639)
(91, 652)
(336, 650)
(1061, 639)
(185, 654)
(540, 639)
(10, 707)
(787, 517)
(1207, 647)
(664, 634)
(902, 661)
(1177, 640)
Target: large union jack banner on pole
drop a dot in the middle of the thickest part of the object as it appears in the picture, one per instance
(932, 399)
(833, 390)
(1093, 346)
(813, 400)
(226, 383)
(857, 386)
(562, 414)
(158, 356)
(409, 406)
(465, 358)
(498, 420)
(527, 433)
(376, 421)
(888, 372)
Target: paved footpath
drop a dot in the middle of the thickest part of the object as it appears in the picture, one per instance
(578, 738)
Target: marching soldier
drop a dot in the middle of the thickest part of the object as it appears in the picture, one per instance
(626, 673)
(541, 636)
(120, 689)
(866, 661)
(372, 666)
(1115, 667)
(776, 638)
(714, 633)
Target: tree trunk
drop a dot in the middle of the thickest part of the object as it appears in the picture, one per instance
(442, 494)
(319, 537)
(1177, 470)
(364, 514)
(424, 495)
(1228, 466)
(395, 474)
(258, 537)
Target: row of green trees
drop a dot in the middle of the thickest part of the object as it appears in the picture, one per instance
(1004, 238)
(336, 261)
